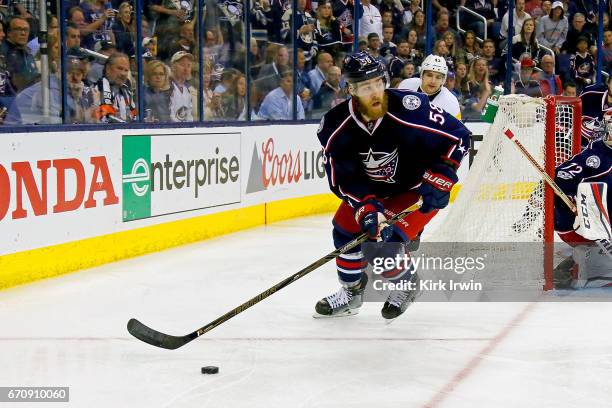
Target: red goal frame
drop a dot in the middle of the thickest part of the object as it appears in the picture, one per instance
(551, 103)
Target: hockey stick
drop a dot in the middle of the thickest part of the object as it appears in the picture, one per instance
(510, 135)
(604, 244)
(159, 339)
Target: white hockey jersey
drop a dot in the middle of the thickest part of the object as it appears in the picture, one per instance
(181, 103)
(443, 99)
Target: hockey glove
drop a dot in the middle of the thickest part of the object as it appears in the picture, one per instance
(436, 187)
(371, 219)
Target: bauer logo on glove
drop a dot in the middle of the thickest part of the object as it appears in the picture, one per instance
(435, 179)
(436, 187)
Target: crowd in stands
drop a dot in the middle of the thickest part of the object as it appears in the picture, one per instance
(553, 49)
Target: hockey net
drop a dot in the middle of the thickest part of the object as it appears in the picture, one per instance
(504, 200)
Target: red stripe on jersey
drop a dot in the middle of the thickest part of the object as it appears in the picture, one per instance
(333, 172)
(449, 158)
(352, 197)
(597, 175)
(335, 133)
(422, 127)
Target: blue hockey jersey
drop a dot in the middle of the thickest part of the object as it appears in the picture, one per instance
(390, 155)
(593, 164)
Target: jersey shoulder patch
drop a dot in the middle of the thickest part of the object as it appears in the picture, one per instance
(593, 161)
(403, 100)
(411, 102)
(427, 120)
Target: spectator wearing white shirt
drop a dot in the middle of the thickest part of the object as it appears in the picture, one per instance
(371, 20)
(182, 94)
(519, 18)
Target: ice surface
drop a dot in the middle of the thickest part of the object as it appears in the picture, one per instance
(70, 331)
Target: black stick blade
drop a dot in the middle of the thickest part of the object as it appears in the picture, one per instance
(155, 338)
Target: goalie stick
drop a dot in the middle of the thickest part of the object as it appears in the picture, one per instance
(604, 244)
(162, 340)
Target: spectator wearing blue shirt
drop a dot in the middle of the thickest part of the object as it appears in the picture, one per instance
(317, 75)
(278, 104)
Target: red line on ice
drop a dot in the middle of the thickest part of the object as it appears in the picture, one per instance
(475, 361)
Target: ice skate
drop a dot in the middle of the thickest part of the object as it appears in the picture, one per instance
(399, 300)
(345, 302)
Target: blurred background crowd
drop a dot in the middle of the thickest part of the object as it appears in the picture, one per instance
(227, 60)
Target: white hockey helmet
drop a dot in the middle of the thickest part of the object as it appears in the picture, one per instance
(435, 63)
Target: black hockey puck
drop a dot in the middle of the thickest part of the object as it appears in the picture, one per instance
(210, 370)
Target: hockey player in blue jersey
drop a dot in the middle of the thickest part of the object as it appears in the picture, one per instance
(383, 149)
(592, 165)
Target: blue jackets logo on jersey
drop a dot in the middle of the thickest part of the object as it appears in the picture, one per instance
(411, 102)
(381, 166)
(593, 161)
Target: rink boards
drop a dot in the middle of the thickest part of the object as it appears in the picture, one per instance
(73, 200)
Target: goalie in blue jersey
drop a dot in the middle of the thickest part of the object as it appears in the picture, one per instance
(586, 179)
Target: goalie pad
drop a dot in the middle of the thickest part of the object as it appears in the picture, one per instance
(593, 220)
(594, 268)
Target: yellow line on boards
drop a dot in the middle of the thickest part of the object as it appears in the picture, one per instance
(32, 265)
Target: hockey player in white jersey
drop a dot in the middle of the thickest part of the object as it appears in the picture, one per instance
(431, 83)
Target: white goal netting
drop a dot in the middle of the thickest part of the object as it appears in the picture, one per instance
(502, 201)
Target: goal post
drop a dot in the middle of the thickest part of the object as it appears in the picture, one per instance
(560, 111)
